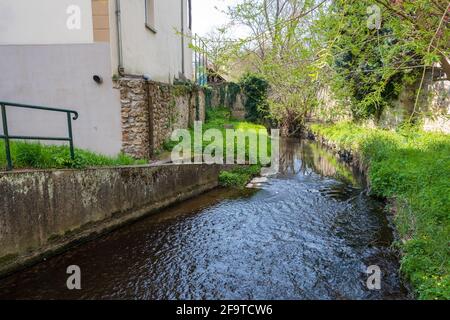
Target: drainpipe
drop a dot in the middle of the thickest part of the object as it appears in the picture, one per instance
(182, 39)
(119, 37)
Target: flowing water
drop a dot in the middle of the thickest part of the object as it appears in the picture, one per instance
(308, 233)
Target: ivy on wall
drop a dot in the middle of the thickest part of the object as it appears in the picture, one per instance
(256, 91)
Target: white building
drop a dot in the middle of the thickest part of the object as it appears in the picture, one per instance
(51, 50)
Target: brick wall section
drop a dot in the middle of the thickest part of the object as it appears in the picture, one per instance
(100, 18)
(152, 110)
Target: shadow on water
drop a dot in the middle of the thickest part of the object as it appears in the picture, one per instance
(309, 233)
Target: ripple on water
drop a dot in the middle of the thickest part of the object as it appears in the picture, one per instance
(307, 234)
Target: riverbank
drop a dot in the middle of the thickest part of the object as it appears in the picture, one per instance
(44, 212)
(413, 169)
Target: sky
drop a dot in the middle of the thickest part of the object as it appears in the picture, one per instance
(206, 17)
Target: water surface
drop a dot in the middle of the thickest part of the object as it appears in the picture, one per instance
(309, 233)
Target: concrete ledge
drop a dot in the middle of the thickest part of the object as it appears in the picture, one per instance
(45, 212)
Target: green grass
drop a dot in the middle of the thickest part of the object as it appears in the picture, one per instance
(239, 177)
(220, 118)
(38, 156)
(412, 167)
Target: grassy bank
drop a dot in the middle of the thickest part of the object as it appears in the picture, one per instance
(221, 119)
(413, 168)
(37, 156)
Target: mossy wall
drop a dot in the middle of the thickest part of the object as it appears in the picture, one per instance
(152, 110)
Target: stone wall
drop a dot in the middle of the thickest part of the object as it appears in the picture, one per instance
(152, 110)
(135, 116)
(43, 212)
(433, 106)
(223, 95)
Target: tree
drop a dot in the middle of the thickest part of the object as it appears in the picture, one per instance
(281, 45)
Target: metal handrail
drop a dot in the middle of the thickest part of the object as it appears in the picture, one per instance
(7, 137)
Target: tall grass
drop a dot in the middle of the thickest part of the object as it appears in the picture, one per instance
(38, 156)
(412, 167)
(221, 119)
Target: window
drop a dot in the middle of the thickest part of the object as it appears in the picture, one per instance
(150, 15)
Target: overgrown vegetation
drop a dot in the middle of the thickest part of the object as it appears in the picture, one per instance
(220, 119)
(239, 177)
(255, 89)
(38, 156)
(374, 49)
(412, 167)
(361, 53)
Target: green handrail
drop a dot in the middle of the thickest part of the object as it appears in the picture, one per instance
(7, 137)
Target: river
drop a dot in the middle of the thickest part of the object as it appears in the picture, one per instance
(308, 233)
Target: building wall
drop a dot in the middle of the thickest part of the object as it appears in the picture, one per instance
(100, 18)
(62, 76)
(53, 66)
(44, 22)
(158, 55)
(151, 111)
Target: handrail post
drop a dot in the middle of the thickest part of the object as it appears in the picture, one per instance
(69, 126)
(6, 134)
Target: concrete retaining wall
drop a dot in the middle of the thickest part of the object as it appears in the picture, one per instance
(43, 212)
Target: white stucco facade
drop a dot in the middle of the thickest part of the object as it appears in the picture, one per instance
(61, 76)
(44, 62)
(156, 54)
(45, 21)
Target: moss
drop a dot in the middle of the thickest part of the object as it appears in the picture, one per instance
(8, 258)
(412, 167)
(54, 238)
(180, 90)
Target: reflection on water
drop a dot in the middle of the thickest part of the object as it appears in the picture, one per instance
(310, 233)
(308, 158)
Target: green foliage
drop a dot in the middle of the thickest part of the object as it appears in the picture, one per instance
(255, 89)
(238, 177)
(34, 155)
(367, 68)
(412, 167)
(208, 97)
(233, 90)
(220, 118)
